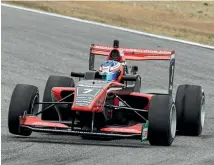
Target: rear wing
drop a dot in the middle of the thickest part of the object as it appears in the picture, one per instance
(136, 55)
(133, 54)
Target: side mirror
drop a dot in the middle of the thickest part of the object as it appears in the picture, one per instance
(130, 77)
(134, 69)
(77, 74)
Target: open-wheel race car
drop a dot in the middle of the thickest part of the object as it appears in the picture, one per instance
(108, 102)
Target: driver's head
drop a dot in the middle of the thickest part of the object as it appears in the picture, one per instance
(111, 71)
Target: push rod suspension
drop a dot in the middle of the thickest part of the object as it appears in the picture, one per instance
(127, 108)
(54, 103)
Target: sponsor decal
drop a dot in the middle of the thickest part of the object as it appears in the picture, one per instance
(172, 74)
(121, 52)
(40, 123)
(144, 132)
(85, 96)
(146, 51)
(102, 47)
(123, 130)
(136, 50)
(48, 124)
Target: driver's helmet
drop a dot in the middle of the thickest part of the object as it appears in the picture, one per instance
(111, 71)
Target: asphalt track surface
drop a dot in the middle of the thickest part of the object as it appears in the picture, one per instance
(35, 46)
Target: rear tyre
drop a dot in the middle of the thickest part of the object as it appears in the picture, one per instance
(51, 113)
(179, 99)
(22, 101)
(191, 121)
(162, 120)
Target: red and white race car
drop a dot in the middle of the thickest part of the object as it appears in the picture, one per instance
(93, 107)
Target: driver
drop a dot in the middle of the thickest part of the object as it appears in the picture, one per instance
(111, 71)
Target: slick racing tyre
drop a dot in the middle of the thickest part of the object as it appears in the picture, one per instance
(190, 101)
(52, 113)
(162, 120)
(179, 104)
(22, 101)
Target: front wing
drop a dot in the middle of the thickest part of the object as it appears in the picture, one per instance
(35, 124)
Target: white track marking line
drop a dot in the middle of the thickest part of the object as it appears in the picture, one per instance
(110, 26)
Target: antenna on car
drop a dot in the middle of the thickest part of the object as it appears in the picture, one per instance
(116, 44)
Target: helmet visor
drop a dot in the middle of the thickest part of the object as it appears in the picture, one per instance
(110, 76)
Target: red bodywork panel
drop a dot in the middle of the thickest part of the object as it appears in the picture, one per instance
(37, 122)
(95, 105)
(148, 96)
(56, 91)
(136, 129)
(133, 54)
(98, 101)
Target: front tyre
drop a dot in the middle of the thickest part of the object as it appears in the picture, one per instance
(162, 120)
(22, 100)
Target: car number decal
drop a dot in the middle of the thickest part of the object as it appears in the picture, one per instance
(87, 90)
